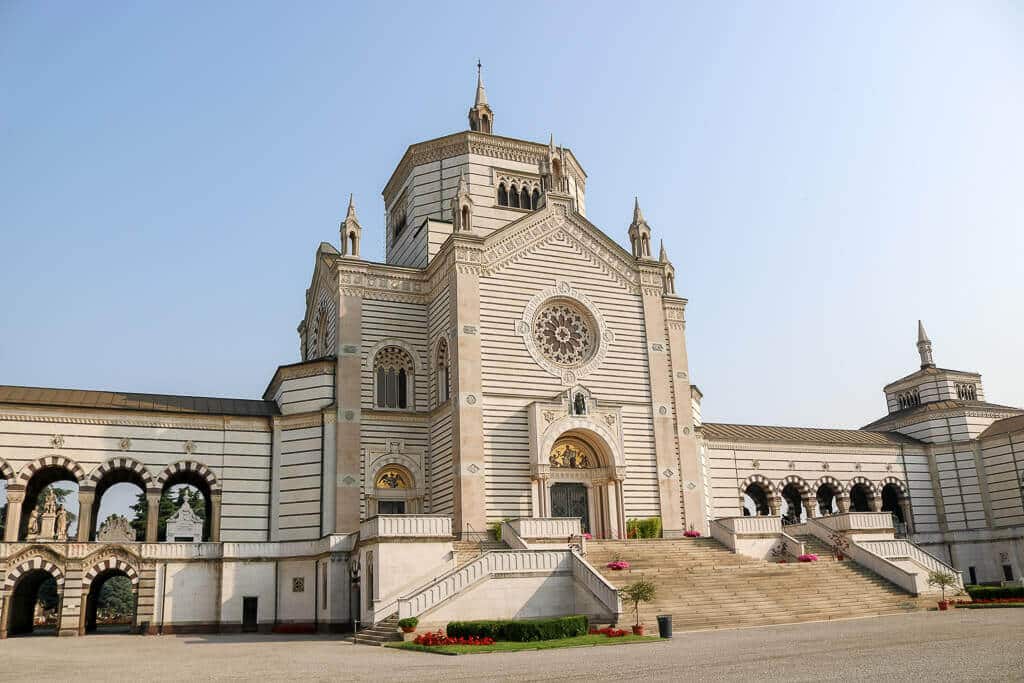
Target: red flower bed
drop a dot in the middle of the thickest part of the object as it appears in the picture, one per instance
(808, 557)
(691, 534)
(608, 631)
(989, 601)
(618, 565)
(439, 638)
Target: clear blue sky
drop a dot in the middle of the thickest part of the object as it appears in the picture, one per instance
(823, 175)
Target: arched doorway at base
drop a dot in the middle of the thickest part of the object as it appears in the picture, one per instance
(34, 607)
(111, 604)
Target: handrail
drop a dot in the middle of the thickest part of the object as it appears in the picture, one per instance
(729, 540)
(902, 547)
(800, 544)
(511, 538)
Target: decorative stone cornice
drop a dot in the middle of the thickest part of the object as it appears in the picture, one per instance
(382, 282)
(818, 449)
(159, 420)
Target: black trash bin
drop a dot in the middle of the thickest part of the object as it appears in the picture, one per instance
(664, 625)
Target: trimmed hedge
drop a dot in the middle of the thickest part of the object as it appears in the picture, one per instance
(643, 528)
(521, 630)
(990, 592)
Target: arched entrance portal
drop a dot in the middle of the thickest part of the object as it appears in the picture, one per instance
(582, 483)
(34, 607)
(111, 603)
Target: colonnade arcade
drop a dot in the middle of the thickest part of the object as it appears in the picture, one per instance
(77, 600)
(794, 499)
(32, 481)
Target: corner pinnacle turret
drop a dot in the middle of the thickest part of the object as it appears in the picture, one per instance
(351, 231)
(924, 347)
(639, 232)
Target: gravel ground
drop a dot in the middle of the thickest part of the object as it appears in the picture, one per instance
(926, 646)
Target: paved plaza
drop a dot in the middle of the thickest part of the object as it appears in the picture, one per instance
(962, 645)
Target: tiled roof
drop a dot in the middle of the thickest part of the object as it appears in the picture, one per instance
(936, 406)
(1004, 426)
(116, 400)
(715, 431)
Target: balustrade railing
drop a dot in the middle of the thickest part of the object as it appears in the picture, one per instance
(406, 526)
(546, 527)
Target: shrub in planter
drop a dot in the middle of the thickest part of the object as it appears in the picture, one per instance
(808, 557)
(521, 630)
(640, 591)
(942, 581)
(649, 527)
(408, 625)
(618, 565)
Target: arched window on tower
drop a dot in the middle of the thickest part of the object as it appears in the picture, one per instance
(465, 218)
(444, 377)
(502, 195)
(513, 197)
(536, 199)
(393, 372)
(524, 199)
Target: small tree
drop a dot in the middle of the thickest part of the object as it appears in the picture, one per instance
(942, 581)
(640, 591)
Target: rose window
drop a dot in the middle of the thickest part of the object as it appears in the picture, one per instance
(564, 335)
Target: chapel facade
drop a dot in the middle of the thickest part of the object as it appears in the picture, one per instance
(508, 362)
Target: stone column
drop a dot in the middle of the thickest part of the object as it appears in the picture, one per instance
(152, 516)
(665, 407)
(875, 503)
(86, 498)
(773, 505)
(467, 416)
(348, 475)
(215, 516)
(908, 515)
(843, 503)
(810, 506)
(15, 499)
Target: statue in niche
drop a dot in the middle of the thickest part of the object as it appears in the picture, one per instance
(579, 406)
(49, 501)
(60, 526)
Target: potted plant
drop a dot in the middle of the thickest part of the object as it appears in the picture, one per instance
(942, 581)
(640, 591)
(408, 625)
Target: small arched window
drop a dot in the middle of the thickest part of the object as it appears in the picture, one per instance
(353, 245)
(513, 197)
(393, 372)
(465, 218)
(444, 377)
(502, 195)
(524, 199)
(535, 204)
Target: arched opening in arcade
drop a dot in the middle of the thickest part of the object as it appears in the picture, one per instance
(827, 496)
(111, 603)
(185, 488)
(894, 501)
(756, 501)
(120, 492)
(34, 605)
(50, 509)
(793, 511)
(860, 498)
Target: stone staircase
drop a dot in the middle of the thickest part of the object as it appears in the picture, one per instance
(378, 634)
(706, 586)
(467, 551)
(815, 546)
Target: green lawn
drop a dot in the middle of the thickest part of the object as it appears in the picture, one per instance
(508, 646)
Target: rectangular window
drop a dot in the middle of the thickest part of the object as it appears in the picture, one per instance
(1008, 572)
(974, 575)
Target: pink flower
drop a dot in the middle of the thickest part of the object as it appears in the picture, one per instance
(691, 534)
(618, 565)
(808, 557)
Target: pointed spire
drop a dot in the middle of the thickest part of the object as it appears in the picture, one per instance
(481, 94)
(663, 256)
(551, 144)
(351, 213)
(638, 217)
(481, 116)
(463, 185)
(924, 347)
